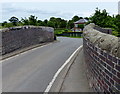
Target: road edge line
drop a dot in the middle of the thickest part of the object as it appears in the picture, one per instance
(60, 69)
(24, 52)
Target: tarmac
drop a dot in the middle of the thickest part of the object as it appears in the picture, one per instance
(75, 79)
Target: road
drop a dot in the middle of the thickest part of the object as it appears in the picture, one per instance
(32, 71)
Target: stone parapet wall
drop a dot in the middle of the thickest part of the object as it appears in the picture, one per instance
(24, 36)
(102, 58)
(103, 30)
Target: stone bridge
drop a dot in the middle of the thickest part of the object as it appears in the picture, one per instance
(101, 52)
(24, 36)
(102, 57)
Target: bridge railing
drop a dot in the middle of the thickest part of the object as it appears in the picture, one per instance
(102, 59)
(24, 36)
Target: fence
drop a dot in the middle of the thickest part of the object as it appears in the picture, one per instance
(71, 34)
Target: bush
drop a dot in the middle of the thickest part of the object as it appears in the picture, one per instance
(59, 31)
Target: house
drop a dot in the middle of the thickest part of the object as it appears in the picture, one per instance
(81, 21)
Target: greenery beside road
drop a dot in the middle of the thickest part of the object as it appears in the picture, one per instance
(33, 20)
(103, 19)
(100, 18)
(61, 30)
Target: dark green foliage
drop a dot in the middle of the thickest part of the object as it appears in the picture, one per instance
(76, 18)
(45, 22)
(100, 18)
(81, 26)
(4, 23)
(52, 22)
(8, 25)
(117, 24)
(40, 23)
(14, 20)
(103, 19)
(32, 20)
(70, 24)
(57, 22)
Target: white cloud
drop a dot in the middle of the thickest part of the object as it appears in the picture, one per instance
(47, 10)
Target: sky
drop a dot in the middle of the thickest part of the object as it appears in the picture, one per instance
(45, 10)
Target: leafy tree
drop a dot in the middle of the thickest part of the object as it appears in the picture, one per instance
(8, 25)
(103, 19)
(70, 24)
(81, 18)
(32, 20)
(20, 23)
(86, 18)
(57, 22)
(45, 22)
(75, 18)
(40, 23)
(14, 20)
(63, 23)
(100, 18)
(51, 24)
(117, 24)
(4, 23)
(81, 26)
(25, 21)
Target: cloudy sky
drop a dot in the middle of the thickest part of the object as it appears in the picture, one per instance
(45, 10)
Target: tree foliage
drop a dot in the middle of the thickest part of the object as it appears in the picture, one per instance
(103, 19)
(52, 22)
(100, 18)
(32, 20)
(14, 20)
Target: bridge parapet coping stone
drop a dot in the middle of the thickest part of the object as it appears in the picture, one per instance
(102, 59)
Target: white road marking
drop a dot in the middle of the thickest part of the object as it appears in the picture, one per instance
(60, 69)
(24, 53)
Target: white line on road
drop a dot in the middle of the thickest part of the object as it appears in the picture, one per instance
(60, 69)
(24, 53)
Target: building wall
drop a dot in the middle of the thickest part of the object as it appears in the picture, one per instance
(102, 59)
(21, 37)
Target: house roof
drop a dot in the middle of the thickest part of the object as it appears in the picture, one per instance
(81, 21)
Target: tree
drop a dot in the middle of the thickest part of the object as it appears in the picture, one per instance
(75, 18)
(4, 23)
(117, 24)
(8, 25)
(14, 20)
(32, 20)
(63, 23)
(40, 23)
(81, 26)
(58, 22)
(86, 18)
(70, 24)
(25, 21)
(101, 18)
(45, 22)
(51, 24)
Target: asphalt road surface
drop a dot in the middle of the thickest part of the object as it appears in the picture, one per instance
(32, 71)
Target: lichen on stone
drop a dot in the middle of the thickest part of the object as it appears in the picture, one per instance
(106, 42)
